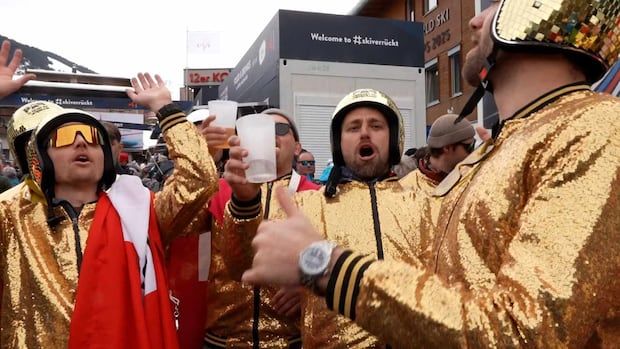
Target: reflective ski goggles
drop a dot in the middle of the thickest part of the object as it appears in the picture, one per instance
(66, 135)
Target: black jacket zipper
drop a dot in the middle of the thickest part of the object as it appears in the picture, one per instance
(377, 224)
(74, 216)
(375, 219)
(255, 337)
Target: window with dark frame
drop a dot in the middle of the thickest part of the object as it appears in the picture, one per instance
(432, 84)
(455, 73)
(429, 5)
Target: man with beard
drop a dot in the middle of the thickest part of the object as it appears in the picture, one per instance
(526, 253)
(362, 205)
(234, 310)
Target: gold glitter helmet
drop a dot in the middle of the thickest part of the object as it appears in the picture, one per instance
(374, 99)
(22, 123)
(585, 30)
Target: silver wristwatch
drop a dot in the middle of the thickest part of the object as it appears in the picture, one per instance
(314, 262)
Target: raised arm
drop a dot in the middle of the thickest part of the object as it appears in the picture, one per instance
(243, 213)
(7, 84)
(194, 179)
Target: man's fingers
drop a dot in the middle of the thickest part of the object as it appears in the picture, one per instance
(251, 276)
(295, 311)
(143, 81)
(24, 79)
(290, 307)
(237, 152)
(150, 80)
(206, 122)
(235, 165)
(284, 296)
(4, 52)
(234, 141)
(232, 178)
(286, 202)
(135, 83)
(17, 58)
(160, 81)
(277, 298)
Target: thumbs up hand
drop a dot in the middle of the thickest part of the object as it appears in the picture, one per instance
(277, 246)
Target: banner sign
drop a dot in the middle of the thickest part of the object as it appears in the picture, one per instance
(202, 77)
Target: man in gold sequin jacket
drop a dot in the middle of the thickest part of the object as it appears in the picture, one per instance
(362, 205)
(242, 316)
(42, 245)
(526, 250)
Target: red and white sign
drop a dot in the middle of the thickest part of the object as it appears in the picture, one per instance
(202, 77)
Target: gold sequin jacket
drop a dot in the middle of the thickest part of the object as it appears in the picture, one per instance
(376, 219)
(38, 265)
(526, 250)
(234, 307)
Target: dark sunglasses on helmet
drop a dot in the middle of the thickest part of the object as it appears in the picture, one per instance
(282, 128)
(66, 135)
(306, 162)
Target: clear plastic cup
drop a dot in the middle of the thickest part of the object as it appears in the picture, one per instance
(257, 133)
(225, 116)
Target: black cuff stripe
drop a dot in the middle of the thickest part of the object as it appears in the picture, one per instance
(173, 123)
(244, 208)
(356, 286)
(248, 203)
(345, 284)
(169, 118)
(169, 121)
(331, 284)
(244, 215)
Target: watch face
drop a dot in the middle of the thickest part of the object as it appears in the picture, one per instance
(314, 261)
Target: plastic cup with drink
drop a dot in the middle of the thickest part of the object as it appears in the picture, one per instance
(257, 135)
(225, 116)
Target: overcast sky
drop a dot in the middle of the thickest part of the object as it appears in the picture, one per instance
(121, 38)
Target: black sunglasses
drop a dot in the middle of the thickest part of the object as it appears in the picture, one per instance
(306, 162)
(282, 128)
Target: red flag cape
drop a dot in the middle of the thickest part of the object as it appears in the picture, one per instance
(111, 310)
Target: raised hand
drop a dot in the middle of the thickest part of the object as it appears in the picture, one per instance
(7, 84)
(148, 92)
(277, 246)
(214, 135)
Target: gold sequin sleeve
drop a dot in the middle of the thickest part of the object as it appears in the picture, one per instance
(557, 281)
(238, 233)
(192, 183)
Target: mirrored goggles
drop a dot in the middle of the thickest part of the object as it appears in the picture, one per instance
(66, 135)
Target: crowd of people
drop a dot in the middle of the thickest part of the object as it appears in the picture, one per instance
(511, 241)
